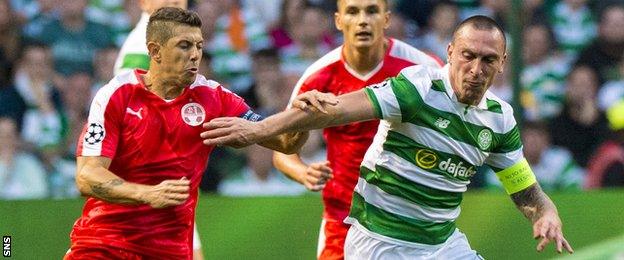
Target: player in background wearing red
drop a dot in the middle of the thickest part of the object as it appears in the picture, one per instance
(365, 58)
(141, 157)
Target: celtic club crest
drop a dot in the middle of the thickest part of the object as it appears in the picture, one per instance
(484, 139)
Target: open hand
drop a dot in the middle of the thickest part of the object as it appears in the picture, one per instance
(548, 229)
(315, 100)
(167, 193)
(233, 131)
(316, 175)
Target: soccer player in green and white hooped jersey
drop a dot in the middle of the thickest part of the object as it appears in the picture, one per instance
(437, 126)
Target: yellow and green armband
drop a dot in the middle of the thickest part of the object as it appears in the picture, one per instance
(517, 177)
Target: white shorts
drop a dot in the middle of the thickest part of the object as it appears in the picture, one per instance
(361, 245)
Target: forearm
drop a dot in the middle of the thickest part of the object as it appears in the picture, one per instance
(352, 107)
(533, 202)
(98, 182)
(291, 165)
(288, 143)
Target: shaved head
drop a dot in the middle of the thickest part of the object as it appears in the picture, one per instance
(339, 2)
(482, 23)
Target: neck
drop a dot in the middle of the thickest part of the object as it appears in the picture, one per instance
(164, 87)
(364, 60)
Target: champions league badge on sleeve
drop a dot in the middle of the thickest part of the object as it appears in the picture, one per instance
(193, 114)
(95, 133)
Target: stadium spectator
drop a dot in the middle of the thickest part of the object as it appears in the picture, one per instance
(573, 24)
(74, 39)
(440, 124)
(10, 42)
(581, 126)
(442, 21)
(42, 128)
(104, 64)
(613, 90)
(366, 57)
(12, 105)
(22, 176)
(605, 52)
(543, 77)
(554, 167)
(606, 166)
(307, 44)
(237, 34)
(38, 15)
(141, 170)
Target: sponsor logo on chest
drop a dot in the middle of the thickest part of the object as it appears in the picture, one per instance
(428, 159)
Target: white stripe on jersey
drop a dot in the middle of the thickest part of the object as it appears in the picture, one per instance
(98, 108)
(503, 160)
(407, 52)
(321, 63)
(388, 103)
(201, 81)
(377, 197)
(415, 174)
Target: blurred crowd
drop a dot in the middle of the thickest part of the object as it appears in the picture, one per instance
(55, 54)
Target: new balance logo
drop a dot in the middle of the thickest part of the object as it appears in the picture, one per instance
(442, 123)
(135, 113)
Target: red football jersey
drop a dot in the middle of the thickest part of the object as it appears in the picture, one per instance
(346, 145)
(149, 140)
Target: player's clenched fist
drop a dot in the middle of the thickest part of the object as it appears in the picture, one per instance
(167, 193)
(316, 175)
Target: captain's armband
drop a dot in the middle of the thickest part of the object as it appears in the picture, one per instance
(517, 177)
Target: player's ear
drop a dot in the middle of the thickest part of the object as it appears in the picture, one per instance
(387, 19)
(153, 49)
(449, 52)
(337, 21)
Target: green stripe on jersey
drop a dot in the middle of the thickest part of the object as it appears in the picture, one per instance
(136, 61)
(428, 159)
(414, 110)
(438, 85)
(399, 227)
(494, 106)
(420, 194)
(371, 96)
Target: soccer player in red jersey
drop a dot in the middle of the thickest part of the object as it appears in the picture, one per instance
(141, 157)
(365, 58)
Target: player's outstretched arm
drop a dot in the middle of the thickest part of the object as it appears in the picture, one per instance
(95, 180)
(351, 107)
(538, 208)
(313, 176)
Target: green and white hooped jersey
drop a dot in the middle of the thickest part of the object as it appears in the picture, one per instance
(426, 150)
(133, 54)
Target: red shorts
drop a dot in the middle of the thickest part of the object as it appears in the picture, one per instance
(331, 240)
(100, 252)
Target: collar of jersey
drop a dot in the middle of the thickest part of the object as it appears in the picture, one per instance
(451, 93)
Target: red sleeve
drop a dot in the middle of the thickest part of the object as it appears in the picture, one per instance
(232, 104)
(100, 135)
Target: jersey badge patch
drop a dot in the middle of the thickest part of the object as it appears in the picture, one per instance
(95, 133)
(193, 114)
(484, 139)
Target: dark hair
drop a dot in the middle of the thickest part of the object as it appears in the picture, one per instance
(481, 22)
(160, 25)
